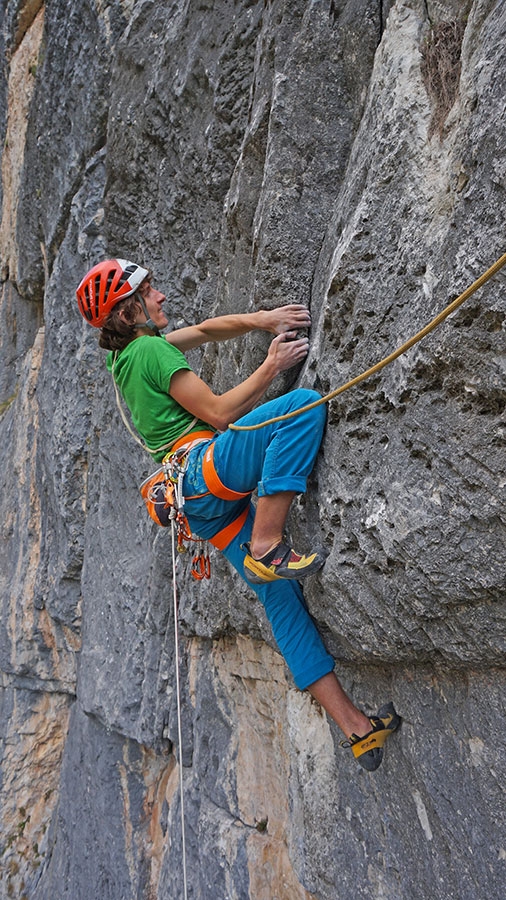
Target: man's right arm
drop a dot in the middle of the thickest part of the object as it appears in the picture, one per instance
(291, 317)
(220, 410)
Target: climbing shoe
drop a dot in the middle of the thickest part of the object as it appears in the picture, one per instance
(281, 562)
(368, 750)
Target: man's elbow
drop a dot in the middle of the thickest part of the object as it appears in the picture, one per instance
(221, 422)
(219, 416)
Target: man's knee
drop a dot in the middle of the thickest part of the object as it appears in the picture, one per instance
(306, 398)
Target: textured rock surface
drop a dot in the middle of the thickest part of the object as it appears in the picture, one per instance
(253, 153)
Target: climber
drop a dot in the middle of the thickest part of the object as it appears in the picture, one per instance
(171, 407)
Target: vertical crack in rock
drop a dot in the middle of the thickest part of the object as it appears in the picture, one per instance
(349, 155)
(22, 79)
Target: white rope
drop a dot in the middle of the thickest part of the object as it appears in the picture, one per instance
(178, 695)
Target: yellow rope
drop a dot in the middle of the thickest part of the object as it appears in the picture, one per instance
(390, 358)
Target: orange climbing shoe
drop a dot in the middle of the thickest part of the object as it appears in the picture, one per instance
(281, 562)
(368, 750)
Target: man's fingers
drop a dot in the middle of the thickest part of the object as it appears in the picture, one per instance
(293, 315)
(297, 350)
(284, 337)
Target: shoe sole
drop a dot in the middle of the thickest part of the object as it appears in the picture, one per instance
(257, 573)
(370, 760)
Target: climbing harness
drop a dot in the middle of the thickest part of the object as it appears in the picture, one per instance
(388, 359)
(163, 495)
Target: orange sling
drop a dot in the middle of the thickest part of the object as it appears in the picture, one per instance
(159, 489)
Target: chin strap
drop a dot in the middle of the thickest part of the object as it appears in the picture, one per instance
(149, 322)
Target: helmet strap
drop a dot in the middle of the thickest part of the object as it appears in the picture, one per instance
(149, 322)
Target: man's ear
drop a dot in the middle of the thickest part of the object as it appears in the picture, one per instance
(127, 317)
(123, 317)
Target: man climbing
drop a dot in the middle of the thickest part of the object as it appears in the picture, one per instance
(173, 409)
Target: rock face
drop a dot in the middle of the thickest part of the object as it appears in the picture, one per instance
(348, 154)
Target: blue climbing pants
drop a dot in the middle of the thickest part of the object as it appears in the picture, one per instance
(278, 457)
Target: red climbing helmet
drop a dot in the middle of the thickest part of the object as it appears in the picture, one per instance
(105, 285)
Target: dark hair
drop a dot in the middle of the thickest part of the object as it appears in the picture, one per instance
(119, 331)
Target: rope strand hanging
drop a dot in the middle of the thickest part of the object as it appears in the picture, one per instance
(390, 358)
(179, 716)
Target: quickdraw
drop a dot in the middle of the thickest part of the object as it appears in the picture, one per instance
(201, 562)
(163, 495)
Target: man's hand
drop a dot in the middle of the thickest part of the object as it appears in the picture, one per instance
(286, 350)
(291, 317)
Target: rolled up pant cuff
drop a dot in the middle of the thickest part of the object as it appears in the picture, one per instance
(270, 486)
(305, 679)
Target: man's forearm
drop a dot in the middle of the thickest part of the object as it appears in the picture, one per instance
(291, 317)
(220, 328)
(219, 410)
(243, 397)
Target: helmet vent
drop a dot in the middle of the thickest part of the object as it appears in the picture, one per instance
(97, 296)
(87, 310)
(110, 279)
(125, 275)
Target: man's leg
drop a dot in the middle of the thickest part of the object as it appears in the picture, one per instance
(300, 643)
(270, 518)
(297, 636)
(276, 459)
(329, 694)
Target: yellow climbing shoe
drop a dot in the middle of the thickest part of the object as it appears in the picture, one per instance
(281, 562)
(368, 749)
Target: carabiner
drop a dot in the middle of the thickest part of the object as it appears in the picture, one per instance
(201, 564)
(197, 567)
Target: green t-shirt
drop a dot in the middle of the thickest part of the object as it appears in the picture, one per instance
(143, 371)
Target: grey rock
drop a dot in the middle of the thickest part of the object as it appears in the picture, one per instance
(254, 154)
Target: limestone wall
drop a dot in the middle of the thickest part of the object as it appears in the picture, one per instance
(349, 154)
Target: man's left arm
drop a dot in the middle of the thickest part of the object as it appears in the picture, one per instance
(292, 317)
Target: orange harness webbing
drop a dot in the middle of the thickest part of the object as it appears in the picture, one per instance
(218, 489)
(222, 539)
(213, 481)
(227, 534)
(188, 439)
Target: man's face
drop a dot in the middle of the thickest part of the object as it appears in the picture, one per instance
(154, 300)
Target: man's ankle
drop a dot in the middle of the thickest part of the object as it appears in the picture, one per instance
(259, 548)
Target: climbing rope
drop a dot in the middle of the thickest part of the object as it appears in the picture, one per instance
(178, 697)
(390, 358)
